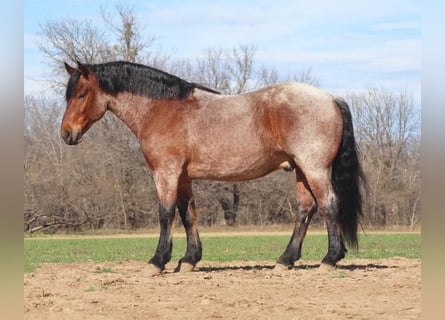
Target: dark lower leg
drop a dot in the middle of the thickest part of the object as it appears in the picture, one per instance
(306, 208)
(336, 250)
(194, 252)
(293, 249)
(320, 183)
(194, 247)
(165, 245)
(186, 207)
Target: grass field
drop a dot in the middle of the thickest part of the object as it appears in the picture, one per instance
(215, 248)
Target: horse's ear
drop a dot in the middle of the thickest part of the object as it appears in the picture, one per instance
(84, 71)
(70, 69)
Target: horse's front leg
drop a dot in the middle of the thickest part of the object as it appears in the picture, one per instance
(186, 207)
(167, 186)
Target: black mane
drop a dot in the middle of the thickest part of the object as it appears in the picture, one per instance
(120, 76)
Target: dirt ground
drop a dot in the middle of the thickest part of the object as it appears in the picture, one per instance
(357, 289)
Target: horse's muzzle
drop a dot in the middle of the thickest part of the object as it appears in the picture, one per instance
(72, 137)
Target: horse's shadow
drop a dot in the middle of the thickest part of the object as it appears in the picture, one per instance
(353, 267)
(233, 268)
(262, 267)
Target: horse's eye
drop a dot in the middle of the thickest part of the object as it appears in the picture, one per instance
(82, 95)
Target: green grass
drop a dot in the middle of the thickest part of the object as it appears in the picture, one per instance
(230, 248)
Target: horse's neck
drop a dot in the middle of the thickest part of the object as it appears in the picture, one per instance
(130, 109)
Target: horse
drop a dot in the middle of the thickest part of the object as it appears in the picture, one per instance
(188, 131)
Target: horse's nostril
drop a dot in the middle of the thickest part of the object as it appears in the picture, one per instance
(66, 135)
(78, 136)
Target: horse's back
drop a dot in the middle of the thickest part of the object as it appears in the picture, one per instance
(299, 96)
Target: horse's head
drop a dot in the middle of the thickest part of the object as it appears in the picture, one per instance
(85, 104)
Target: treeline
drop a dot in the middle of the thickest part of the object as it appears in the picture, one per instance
(104, 182)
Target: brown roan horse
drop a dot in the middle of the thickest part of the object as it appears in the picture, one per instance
(187, 131)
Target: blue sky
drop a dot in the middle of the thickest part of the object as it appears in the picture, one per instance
(349, 45)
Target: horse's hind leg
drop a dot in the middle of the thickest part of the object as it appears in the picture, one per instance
(321, 186)
(186, 207)
(306, 207)
(337, 248)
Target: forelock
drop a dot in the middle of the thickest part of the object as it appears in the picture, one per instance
(72, 84)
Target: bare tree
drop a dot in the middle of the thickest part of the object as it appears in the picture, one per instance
(70, 40)
(267, 76)
(233, 71)
(231, 207)
(128, 33)
(241, 68)
(306, 76)
(213, 70)
(388, 130)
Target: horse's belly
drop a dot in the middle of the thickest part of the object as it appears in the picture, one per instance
(235, 168)
(231, 150)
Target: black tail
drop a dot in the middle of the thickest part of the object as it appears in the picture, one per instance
(347, 176)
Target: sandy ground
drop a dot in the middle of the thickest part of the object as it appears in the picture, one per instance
(357, 289)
